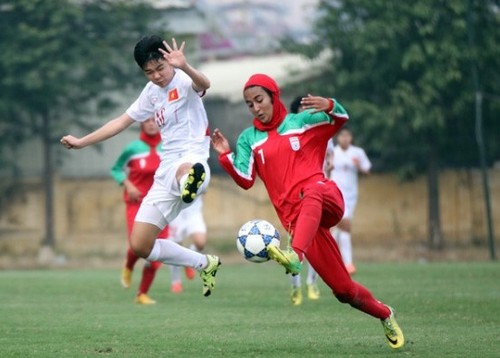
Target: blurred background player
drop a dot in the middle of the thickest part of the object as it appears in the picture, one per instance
(312, 276)
(190, 225)
(134, 170)
(348, 161)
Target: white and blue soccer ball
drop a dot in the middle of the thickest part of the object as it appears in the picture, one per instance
(253, 239)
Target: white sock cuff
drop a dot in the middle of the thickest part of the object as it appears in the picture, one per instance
(154, 255)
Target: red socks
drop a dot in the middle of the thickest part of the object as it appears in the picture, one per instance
(148, 275)
(131, 259)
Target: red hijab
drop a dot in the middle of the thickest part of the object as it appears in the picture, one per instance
(152, 141)
(279, 109)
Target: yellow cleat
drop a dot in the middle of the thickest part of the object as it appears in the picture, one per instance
(296, 296)
(286, 258)
(393, 333)
(126, 277)
(208, 274)
(195, 179)
(313, 292)
(144, 299)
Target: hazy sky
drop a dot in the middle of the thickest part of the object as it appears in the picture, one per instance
(299, 14)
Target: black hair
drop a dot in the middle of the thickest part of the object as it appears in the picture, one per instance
(295, 105)
(146, 50)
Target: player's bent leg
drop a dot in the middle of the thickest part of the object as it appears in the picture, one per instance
(143, 238)
(325, 257)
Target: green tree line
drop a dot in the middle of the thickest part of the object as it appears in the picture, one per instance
(404, 70)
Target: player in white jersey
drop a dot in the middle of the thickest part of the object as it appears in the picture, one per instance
(348, 161)
(188, 224)
(173, 96)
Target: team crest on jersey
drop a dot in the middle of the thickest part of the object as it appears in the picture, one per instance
(173, 95)
(294, 143)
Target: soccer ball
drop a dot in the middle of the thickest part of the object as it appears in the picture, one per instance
(253, 239)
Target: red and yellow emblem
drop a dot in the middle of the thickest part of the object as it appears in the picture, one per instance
(173, 95)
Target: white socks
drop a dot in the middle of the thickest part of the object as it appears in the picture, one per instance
(345, 246)
(312, 275)
(171, 253)
(175, 274)
(295, 280)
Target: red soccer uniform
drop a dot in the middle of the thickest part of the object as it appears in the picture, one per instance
(286, 158)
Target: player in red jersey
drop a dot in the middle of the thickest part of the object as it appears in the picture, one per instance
(287, 152)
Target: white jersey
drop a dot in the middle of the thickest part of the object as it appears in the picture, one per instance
(345, 171)
(180, 114)
(329, 152)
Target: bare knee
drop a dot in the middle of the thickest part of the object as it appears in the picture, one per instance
(139, 248)
(143, 238)
(199, 240)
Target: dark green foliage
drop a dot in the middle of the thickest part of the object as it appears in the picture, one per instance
(57, 55)
(404, 70)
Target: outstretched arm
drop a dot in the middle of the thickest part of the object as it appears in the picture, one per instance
(175, 57)
(241, 166)
(108, 130)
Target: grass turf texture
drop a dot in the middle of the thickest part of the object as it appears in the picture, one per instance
(445, 309)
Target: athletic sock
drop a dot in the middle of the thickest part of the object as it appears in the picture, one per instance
(312, 276)
(193, 247)
(365, 302)
(131, 259)
(345, 246)
(171, 253)
(175, 274)
(295, 281)
(148, 275)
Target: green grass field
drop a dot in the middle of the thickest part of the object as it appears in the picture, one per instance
(445, 310)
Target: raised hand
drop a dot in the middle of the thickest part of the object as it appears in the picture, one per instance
(316, 103)
(174, 54)
(219, 142)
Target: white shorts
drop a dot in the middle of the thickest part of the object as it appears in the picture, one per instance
(350, 202)
(163, 202)
(189, 221)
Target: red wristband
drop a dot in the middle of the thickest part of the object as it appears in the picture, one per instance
(330, 106)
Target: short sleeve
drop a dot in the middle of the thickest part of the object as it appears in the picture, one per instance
(143, 107)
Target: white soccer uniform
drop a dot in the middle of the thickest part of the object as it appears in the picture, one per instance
(189, 221)
(181, 117)
(345, 174)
